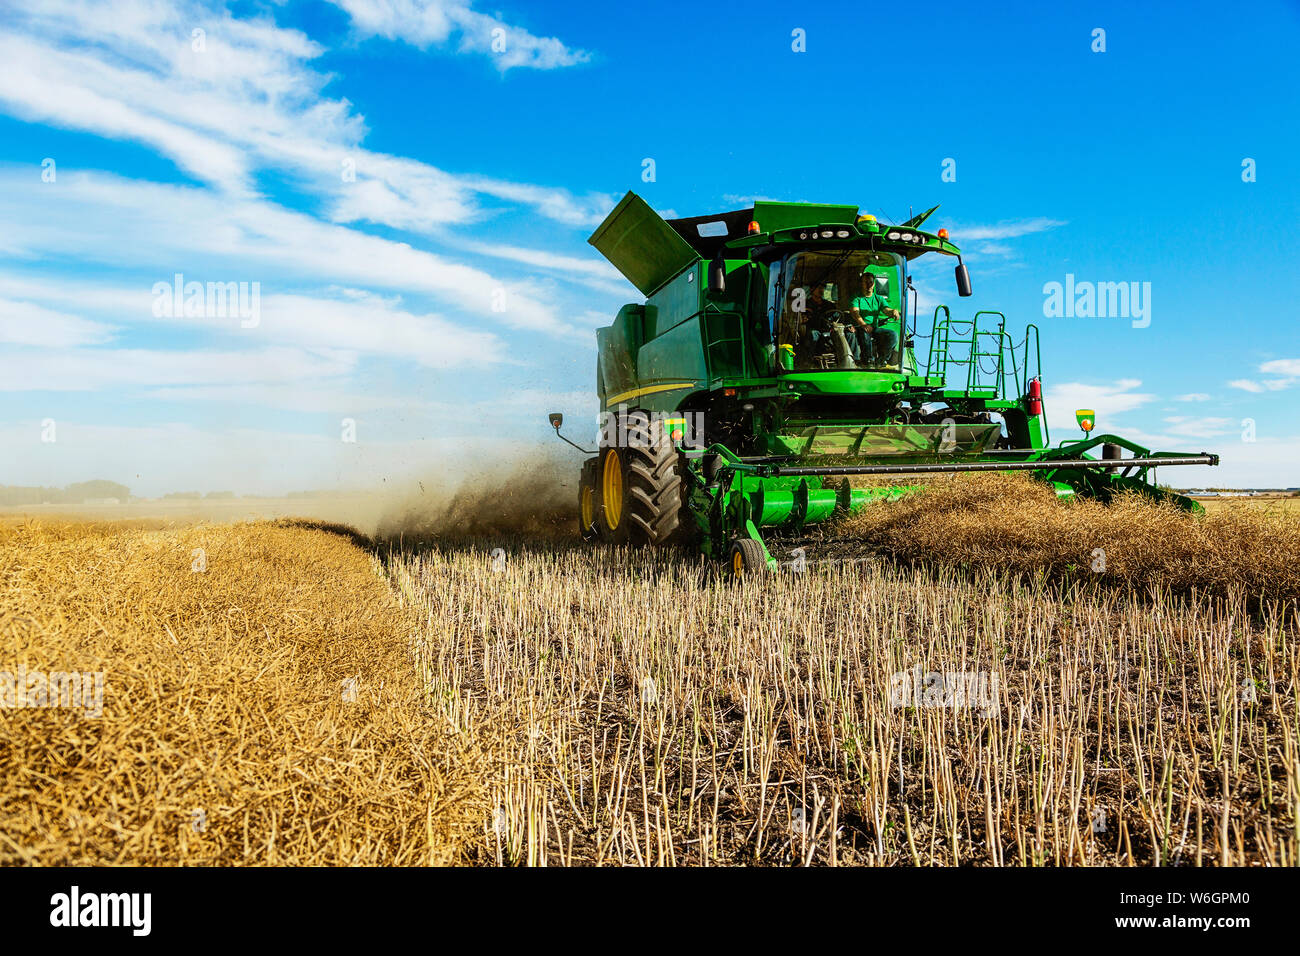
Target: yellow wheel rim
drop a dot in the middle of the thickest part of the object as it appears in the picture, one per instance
(611, 482)
(588, 507)
(737, 562)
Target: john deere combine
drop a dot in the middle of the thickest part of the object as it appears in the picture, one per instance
(779, 352)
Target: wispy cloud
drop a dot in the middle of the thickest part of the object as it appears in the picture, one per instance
(335, 397)
(239, 97)
(1288, 371)
(1197, 427)
(130, 224)
(447, 23)
(25, 323)
(1107, 399)
(1009, 229)
(75, 370)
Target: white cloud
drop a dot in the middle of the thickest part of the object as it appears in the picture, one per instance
(1108, 401)
(298, 397)
(1199, 427)
(337, 318)
(24, 323)
(1246, 385)
(340, 309)
(426, 23)
(248, 100)
(1193, 397)
(367, 324)
(78, 370)
(1289, 369)
(739, 201)
(1011, 229)
(1268, 385)
(96, 298)
(206, 237)
(591, 272)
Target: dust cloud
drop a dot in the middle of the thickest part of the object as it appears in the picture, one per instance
(532, 496)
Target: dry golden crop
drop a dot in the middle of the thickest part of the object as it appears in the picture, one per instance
(1017, 524)
(259, 704)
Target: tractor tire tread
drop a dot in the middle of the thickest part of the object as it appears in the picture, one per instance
(656, 509)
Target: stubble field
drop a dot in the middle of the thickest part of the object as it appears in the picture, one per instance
(960, 685)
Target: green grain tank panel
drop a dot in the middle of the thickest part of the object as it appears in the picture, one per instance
(641, 245)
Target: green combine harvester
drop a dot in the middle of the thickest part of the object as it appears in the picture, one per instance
(776, 354)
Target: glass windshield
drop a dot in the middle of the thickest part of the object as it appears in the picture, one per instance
(840, 309)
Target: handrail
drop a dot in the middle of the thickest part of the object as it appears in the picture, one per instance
(981, 344)
(935, 328)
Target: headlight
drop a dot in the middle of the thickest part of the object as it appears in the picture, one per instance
(892, 235)
(842, 234)
(828, 233)
(803, 235)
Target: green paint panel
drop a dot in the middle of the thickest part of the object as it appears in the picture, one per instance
(675, 302)
(641, 245)
(675, 356)
(774, 216)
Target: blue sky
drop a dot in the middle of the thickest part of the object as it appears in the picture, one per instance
(413, 205)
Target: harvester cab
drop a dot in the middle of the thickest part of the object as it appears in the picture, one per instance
(779, 352)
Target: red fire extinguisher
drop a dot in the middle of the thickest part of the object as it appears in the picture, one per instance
(1034, 397)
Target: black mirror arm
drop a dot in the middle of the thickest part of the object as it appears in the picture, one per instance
(585, 451)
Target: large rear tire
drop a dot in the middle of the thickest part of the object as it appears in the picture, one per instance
(640, 487)
(656, 506)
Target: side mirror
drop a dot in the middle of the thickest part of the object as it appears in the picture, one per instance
(556, 421)
(717, 275)
(963, 280)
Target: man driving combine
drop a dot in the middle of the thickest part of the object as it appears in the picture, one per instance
(813, 325)
(875, 324)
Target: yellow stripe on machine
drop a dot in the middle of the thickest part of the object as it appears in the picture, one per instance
(636, 392)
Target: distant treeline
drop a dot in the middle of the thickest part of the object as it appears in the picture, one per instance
(71, 495)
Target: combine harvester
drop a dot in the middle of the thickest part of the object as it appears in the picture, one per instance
(775, 355)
